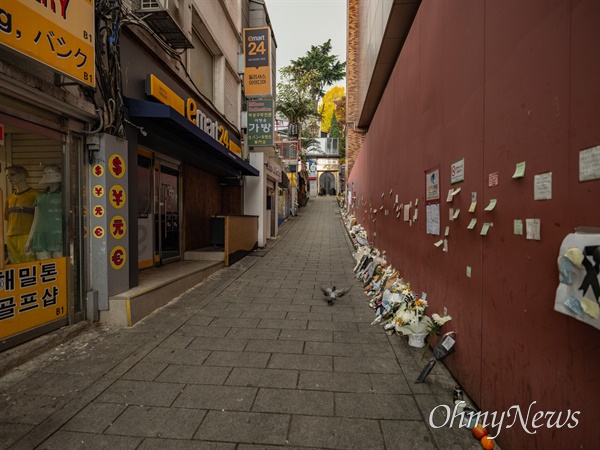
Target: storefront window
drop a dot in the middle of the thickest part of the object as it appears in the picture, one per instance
(33, 267)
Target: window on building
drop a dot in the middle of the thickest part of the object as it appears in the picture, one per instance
(201, 66)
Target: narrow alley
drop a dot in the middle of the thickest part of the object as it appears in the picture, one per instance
(253, 357)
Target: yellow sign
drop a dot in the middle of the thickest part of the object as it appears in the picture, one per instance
(98, 190)
(188, 109)
(58, 33)
(161, 92)
(32, 294)
(117, 196)
(118, 257)
(116, 165)
(98, 170)
(98, 211)
(118, 227)
(257, 62)
(98, 232)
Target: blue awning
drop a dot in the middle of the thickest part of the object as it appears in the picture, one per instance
(185, 140)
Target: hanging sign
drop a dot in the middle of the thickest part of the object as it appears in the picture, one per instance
(59, 34)
(457, 171)
(432, 184)
(257, 62)
(260, 123)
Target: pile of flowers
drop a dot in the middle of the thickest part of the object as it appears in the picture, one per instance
(398, 308)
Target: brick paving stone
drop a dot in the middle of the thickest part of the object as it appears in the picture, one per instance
(226, 343)
(274, 378)
(376, 406)
(286, 324)
(275, 346)
(151, 421)
(276, 315)
(334, 381)
(95, 418)
(306, 335)
(62, 440)
(334, 432)
(365, 364)
(182, 444)
(301, 362)
(333, 349)
(252, 428)
(238, 359)
(236, 398)
(141, 393)
(250, 333)
(288, 401)
(235, 323)
(176, 356)
(177, 373)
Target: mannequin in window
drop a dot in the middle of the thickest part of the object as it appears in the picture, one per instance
(18, 213)
(45, 239)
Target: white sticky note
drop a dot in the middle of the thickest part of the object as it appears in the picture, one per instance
(456, 191)
(447, 232)
(542, 186)
(472, 224)
(491, 205)
(533, 229)
(450, 196)
(469, 271)
(456, 213)
(451, 214)
(484, 229)
(445, 245)
(589, 164)
(472, 207)
(406, 213)
(416, 214)
(391, 191)
(416, 202)
(519, 170)
(439, 243)
(396, 198)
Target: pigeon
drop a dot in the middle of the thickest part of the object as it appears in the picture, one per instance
(332, 293)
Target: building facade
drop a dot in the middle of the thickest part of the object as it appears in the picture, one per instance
(496, 102)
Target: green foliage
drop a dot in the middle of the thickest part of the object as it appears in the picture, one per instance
(327, 67)
(294, 100)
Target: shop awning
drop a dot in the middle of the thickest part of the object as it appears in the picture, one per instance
(184, 140)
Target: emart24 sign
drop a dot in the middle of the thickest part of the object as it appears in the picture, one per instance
(57, 33)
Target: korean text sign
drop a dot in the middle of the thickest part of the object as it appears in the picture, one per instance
(260, 123)
(257, 62)
(58, 33)
(32, 294)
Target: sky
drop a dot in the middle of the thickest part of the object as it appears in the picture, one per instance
(298, 24)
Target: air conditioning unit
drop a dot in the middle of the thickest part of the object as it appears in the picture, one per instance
(168, 19)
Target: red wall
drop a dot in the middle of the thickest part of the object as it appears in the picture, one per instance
(496, 83)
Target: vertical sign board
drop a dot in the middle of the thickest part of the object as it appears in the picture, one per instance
(257, 62)
(32, 294)
(57, 33)
(109, 219)
(260, 123)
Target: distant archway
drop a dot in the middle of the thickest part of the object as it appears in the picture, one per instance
(327, 184)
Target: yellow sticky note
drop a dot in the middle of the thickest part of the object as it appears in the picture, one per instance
(472, 224)
(456, 213)
(472, 207)
(447, 232)
(519, 170)
(456, 191)
(491, 206)
(590, 307)
(439, 243)
(575, 255)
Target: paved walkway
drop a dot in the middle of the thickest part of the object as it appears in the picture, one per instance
(252, 358)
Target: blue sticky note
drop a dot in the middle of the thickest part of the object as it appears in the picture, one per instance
(574, 305)
(564, 270)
